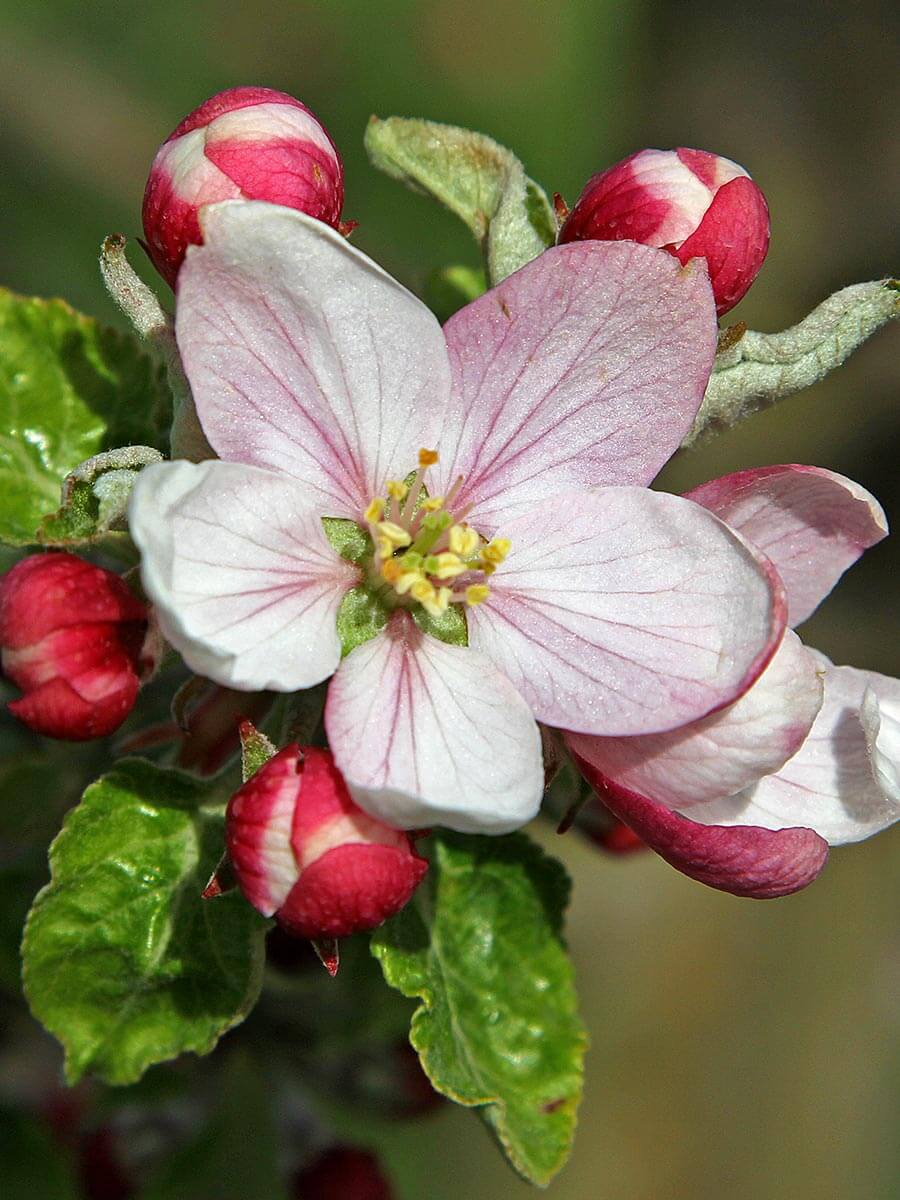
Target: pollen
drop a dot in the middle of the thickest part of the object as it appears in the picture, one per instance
(425, 553)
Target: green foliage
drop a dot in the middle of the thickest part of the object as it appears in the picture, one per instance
(479, 180)
(69, 388)
(34, 1167)
(362, 615)
(236, 1156)
(123, 961)
(348, 538)
(448, 289)
(481, 946)
(451, 626)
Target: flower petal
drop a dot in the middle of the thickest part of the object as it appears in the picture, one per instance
(585, 367)
(725, 752)
(745, 861)
(246, 586)
(623, 611)
(304, 356)
(832, 784)
(427, 733)
(812, 524)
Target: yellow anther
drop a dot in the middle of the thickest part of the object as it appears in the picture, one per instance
(422, 591)
(427, 458)
(375, 511)
(438, 604)
(396, 489)
(395, 534)
(447, 566)
(433, 503)
(485, 567)
(496, 551)
(409, 581)
(384, 547)
(477, 593)
(463, 540)
(391, 570)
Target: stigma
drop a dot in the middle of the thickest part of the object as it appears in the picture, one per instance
(425, 552)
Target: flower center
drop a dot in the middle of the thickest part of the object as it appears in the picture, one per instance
(424, 550)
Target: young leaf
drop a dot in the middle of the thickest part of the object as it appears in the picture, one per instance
(480, 181)
(480, 945)
(123, 961)
(69, 388)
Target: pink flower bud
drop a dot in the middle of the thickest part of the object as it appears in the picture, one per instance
(690, 202)
(72, 638)
(343, 1173)
(248, 143)
(303, 851)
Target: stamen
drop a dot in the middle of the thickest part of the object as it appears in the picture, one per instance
(394, 533)
(496, 550)
(463, 540)
(477, 593)
(396, 489)
(427, 458)
(375, 511)
(446, 565)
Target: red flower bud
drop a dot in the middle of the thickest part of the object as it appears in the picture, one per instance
(343, 1173)
(72, 638)
(690, 202)
(249, 143)
(303, 851)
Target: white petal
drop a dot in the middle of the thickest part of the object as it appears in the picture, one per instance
(305, 357)
(623, 611)
(831, 784)
(431, 734)
(721, 754)
(245, 583)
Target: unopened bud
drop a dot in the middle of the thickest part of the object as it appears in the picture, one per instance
(690, 202)
(249, 143)
(75, 640)
(343, 1173)
(306, 854)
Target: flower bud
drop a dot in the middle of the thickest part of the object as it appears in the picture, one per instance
(73, 639)
(303, 851)
(690, 202)
(249, 143)
(343, 1173)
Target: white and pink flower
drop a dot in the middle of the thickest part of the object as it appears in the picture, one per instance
(252, 143)
(531, 426)
(749, 799)
(690, 202)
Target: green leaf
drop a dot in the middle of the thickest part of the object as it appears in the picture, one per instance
(451, 626)
(123, 961)
(34, 1166)
(69, 388)
(481, 946)
(448, 289)
(348, 538)
(479, 180)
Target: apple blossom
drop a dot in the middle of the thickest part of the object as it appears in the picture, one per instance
(689, 202)
(74, 639)
(749, 799)
(504, 562)
(248, 142)
(305, 853)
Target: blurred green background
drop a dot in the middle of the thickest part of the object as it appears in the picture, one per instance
(740, 1049)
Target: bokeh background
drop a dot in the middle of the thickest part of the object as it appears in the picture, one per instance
(739, 1048)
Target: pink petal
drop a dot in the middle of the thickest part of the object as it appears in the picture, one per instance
(812, 524)
(743, 860)
(725, 752)
(305, 357)
(837, 783)
(584, 368)
(246, 585)
(427, 733)
(623, 611)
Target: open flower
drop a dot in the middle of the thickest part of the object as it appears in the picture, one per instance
(503, 561)
(749, 799)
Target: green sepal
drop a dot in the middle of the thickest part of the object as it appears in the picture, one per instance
(361, 616)
(256, 749)
(123, 961)
(481, 946)
(479, 180)
(69, 388)
(348, 538)
(451, 626)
